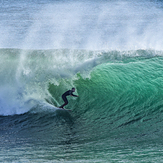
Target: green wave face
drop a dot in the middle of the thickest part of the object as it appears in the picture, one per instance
(119, 105)
(123, 95)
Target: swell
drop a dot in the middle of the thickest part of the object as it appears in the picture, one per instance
(41, 127)
(118, 91)
(125, 96)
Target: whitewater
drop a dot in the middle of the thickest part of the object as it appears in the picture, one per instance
(110, 51)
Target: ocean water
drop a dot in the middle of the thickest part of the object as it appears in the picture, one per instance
(110, 51)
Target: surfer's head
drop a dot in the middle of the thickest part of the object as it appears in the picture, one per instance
(73, 89)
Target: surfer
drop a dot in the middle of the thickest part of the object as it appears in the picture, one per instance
(67, 93)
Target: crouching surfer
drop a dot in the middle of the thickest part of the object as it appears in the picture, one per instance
(64, 96)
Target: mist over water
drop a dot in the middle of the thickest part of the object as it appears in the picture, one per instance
(82, 25)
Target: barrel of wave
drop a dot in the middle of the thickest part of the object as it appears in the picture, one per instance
(114, 91)
(117, 90)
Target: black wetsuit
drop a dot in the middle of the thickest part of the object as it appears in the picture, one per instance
(67, 93)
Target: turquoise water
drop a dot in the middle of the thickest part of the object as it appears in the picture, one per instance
(111, 53)
(117, 117)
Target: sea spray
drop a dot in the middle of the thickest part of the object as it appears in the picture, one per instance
(113, 25)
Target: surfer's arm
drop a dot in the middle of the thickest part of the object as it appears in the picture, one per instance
(74, 95)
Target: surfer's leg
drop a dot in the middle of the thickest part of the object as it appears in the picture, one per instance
(65, 100)
(63, 105)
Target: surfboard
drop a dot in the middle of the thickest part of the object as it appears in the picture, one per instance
(50, 104)
(63, 109)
